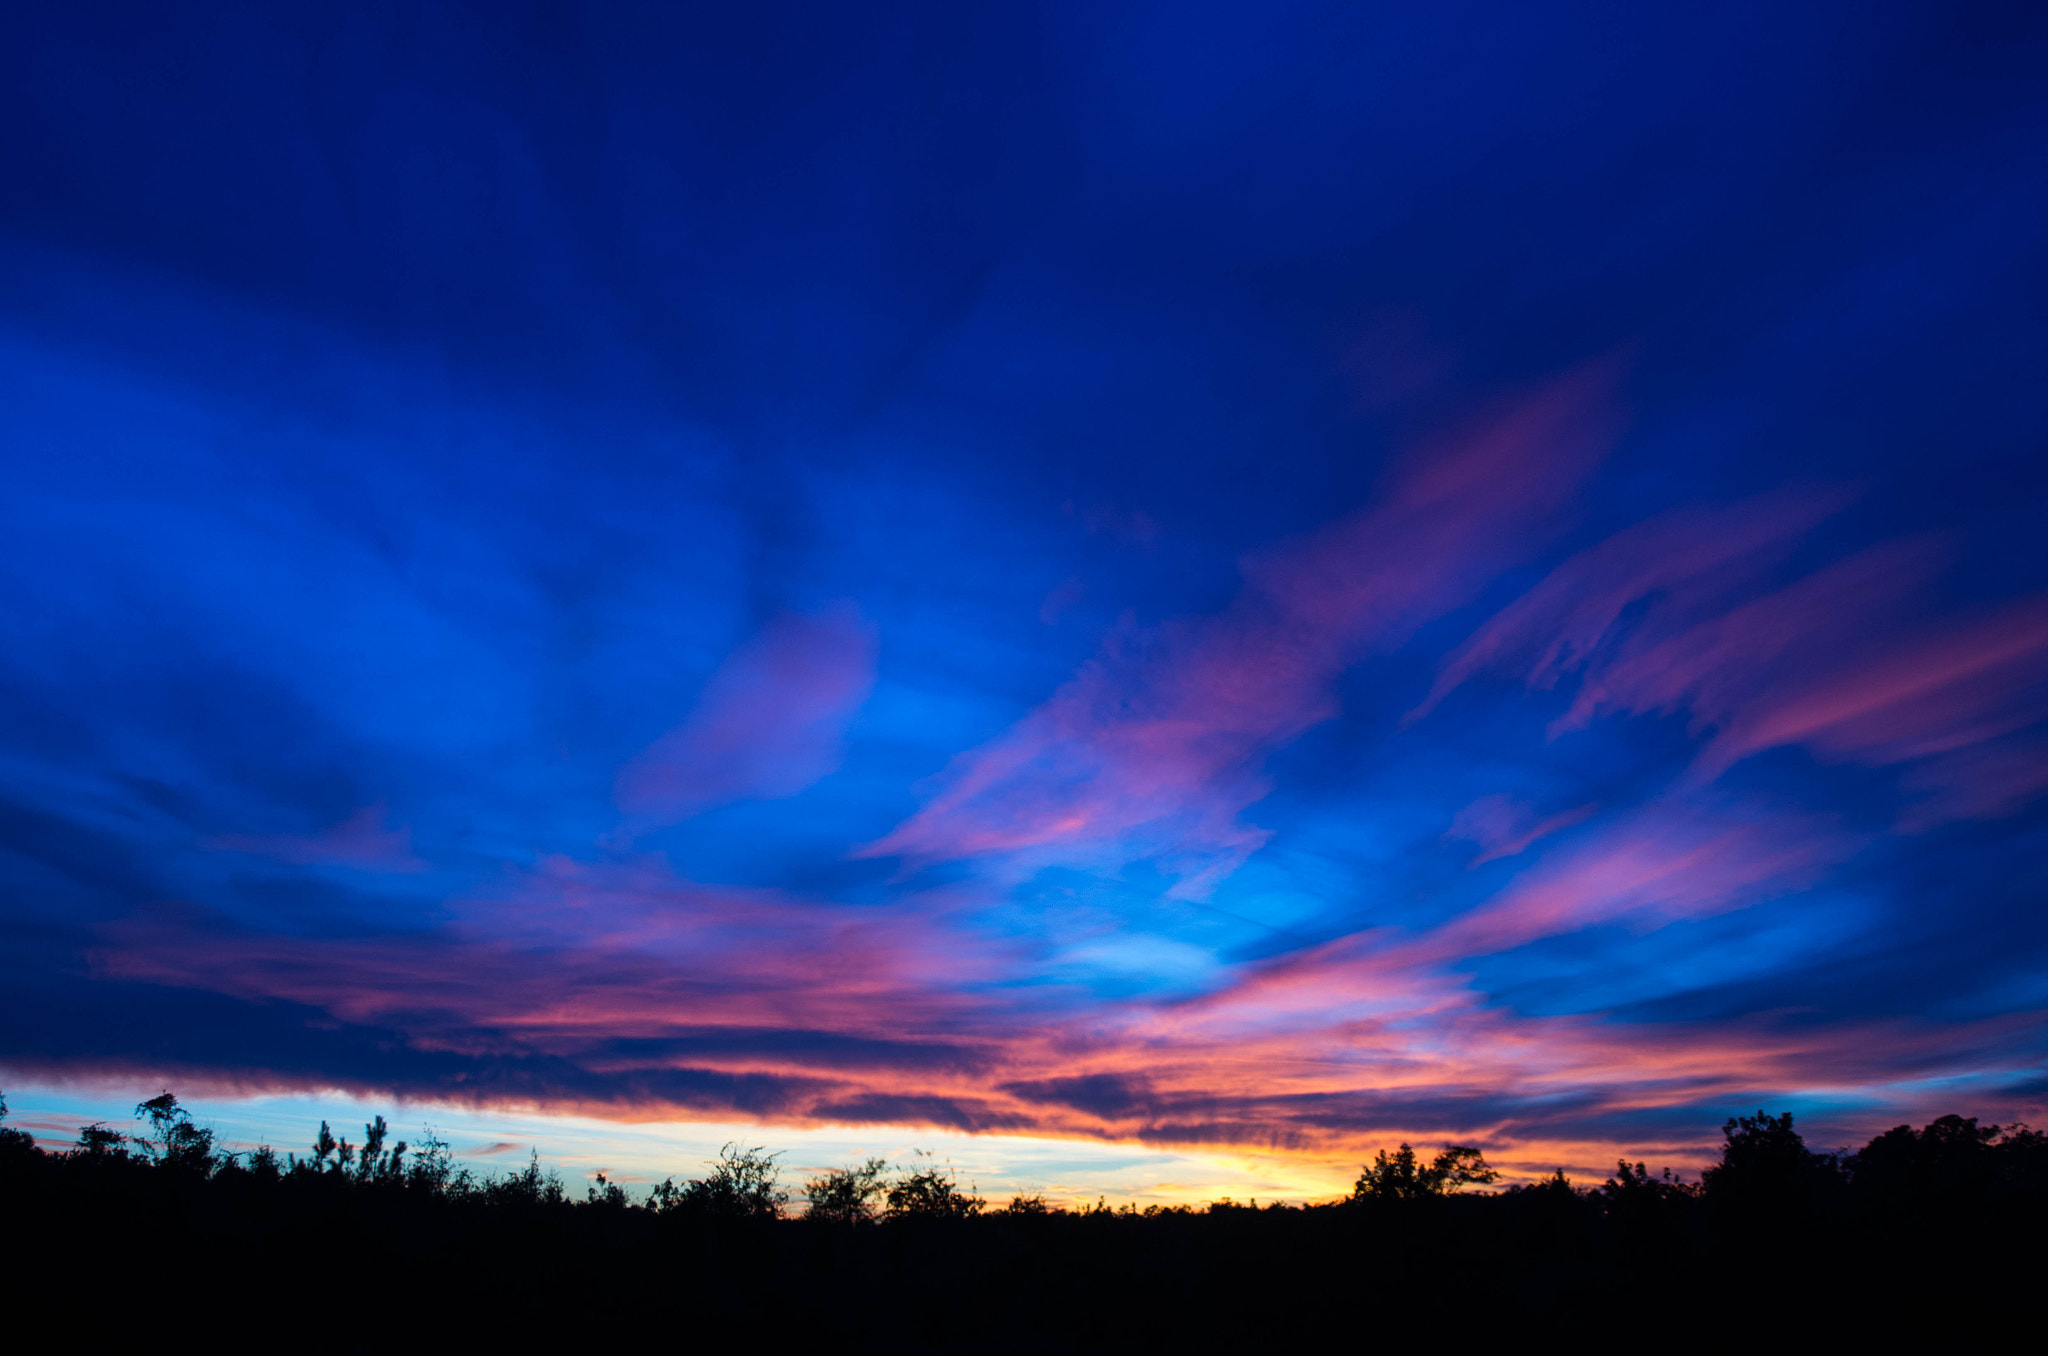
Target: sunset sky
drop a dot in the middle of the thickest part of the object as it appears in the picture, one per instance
(1149, 597)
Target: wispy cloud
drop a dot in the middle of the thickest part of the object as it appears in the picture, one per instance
(622, 988)
(1504, 827)
(1682, 615)
(769, 723)
(1155, 747)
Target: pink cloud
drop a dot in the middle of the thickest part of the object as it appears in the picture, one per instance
(1937, 689)
(573, 951)
(492, 1149)
(1687, 559)
(1677, 615)
(1154, 747)
(361, 842)
(623, 970)
(769, 723)
(1672, 860)
(1982, 782)
(1504, 827)
(1668, 862)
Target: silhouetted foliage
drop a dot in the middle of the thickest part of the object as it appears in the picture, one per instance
(845, 1195)
(173, 1140)
(529, 1187)
(741, 1187)
(605, 1192)
(264, 1164)
(375, 1163)
(434, 1169)
(13, 1143)
(1400, 1176)
(931, 1193)
(1633, 1184)
(1766, 1169)
(1941, 1222)
(325, 1147)
(99, 1141)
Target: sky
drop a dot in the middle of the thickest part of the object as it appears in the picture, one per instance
(1152, 598)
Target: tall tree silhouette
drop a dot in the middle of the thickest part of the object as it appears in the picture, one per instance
(1766, 1168)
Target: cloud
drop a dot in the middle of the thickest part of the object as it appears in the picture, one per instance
(1936, 689)
(621, 989)
(1674, 859)
(360, 842)
(769, 723)
(574, 956)
(1504, 827)
(1680, 614)
(1154, 748)
(1687, 559)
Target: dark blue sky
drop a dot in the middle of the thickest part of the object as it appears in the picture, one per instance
(1265, 574)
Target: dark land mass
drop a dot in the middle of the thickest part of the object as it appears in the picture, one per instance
(156, 1241)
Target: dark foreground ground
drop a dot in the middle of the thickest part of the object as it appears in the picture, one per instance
(1930, 1238)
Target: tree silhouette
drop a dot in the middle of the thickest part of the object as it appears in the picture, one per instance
(14, 1143)
(1945, 1217)
(324, 1147)
(173, 1140)
(1767, 1169)
(374, 1163)
(1400, 1176)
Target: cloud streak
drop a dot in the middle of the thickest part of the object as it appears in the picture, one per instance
(1154, 749)
(768, 724)
(1677, 615)
(652, 996)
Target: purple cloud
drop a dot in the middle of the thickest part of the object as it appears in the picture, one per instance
(769, 723)
(1680, 614)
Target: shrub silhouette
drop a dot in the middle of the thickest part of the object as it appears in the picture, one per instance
(931, 1193)
(741, 1187)
(434, 1171)
(100, 1142)
(845, 1195)
(602, 1191)
(529, 1187)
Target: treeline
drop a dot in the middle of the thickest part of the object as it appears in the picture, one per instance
(384, 1245)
